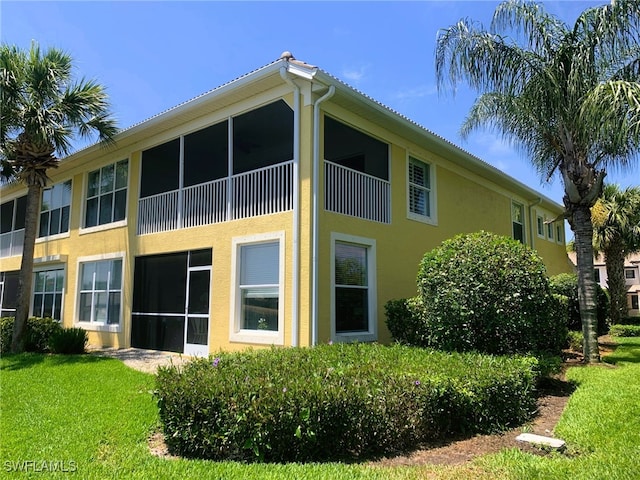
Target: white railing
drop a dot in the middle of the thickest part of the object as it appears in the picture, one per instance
(11, 243)
(357, 194)
(259, 192)
(263, 192)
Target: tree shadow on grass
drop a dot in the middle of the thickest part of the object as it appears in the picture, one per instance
(623, 355)
(11, 362)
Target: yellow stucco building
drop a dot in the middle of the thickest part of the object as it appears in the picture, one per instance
(283, 207)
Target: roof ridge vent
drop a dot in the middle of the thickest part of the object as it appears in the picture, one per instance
(287, 55)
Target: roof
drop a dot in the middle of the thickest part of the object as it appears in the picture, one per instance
(346, 96)
(631, 260)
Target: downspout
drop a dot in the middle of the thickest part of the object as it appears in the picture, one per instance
(316, 181)
(532, 225)
(295, 290)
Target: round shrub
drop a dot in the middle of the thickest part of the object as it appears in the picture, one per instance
(567, 284)
(489, 293)
(37, 334)
(405, 321)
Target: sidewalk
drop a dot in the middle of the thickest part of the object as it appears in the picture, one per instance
(146, 361)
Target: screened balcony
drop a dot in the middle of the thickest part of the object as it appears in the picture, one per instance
(260, 192)
(356, 173)
(200, 179)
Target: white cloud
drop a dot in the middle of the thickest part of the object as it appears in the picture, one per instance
(416, 92)
(354, 75)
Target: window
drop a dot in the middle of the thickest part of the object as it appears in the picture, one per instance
(596, 274)
(420, 190)
(12, 215)
(517, 221)
(354, 288)
(540, 224)
(54, 209)
(101, 292)
(634, 302)
(258, 313)
(8, 293)
(107, 194)
(47, 293)
(559, 235)
(629, 273)
(550, 231)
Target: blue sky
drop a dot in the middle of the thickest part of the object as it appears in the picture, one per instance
(152, 56)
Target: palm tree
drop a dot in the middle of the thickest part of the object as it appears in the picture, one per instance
(42, 110)
(617, 235)
(567, 96)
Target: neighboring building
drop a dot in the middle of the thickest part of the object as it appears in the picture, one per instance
(282, 208)
(631, 276)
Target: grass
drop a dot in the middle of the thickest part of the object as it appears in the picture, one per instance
(95, 416)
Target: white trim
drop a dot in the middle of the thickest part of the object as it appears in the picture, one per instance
(432, 218)
(236, 334)
(371, 335)
(82, 230)
(540, 217)
(95, 326)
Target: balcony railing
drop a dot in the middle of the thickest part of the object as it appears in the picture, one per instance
(357, 194)
(259, 192)
(11, 243)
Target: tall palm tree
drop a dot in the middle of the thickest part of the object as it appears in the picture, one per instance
(42, 110)
(567, 96)
(617, 235)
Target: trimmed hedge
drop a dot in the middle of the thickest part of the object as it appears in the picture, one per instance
(38, 332)
(335, 402)
(481, 292)
(624, 330)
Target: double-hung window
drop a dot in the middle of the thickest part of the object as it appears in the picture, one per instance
(550, 231)
(54, 209)
(420, 192)
(517, 221)
(48, 290)
(354, 288)
(100, 292)
(540, 225)
(106, 194)
(258, 287)
(12, 218)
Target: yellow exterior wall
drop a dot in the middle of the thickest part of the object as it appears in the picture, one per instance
(464, 203)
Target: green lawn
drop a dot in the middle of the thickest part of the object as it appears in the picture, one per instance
(94, 415)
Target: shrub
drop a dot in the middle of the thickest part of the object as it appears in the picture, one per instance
(575, 340)
(567, 284)
(334, 402)
(630, 321)
(624, 330)
(37, 333)
(483, 292)
(405, 321)
(68, 341)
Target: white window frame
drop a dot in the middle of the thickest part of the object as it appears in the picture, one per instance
(432, 218)
(540, 226)
(371, 335)
(93, 326)
(83, 209)
(236, 333)
(551, 231)
(559, 233)
(61, 234)
(632, 271)
(520, 206)
(46, 266)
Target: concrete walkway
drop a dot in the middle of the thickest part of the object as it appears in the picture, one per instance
(146, 361)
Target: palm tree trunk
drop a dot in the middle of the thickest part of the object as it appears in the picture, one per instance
(25, 280)
(616, 283)
(587, 297)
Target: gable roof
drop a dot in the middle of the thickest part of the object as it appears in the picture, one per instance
(269, 76)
